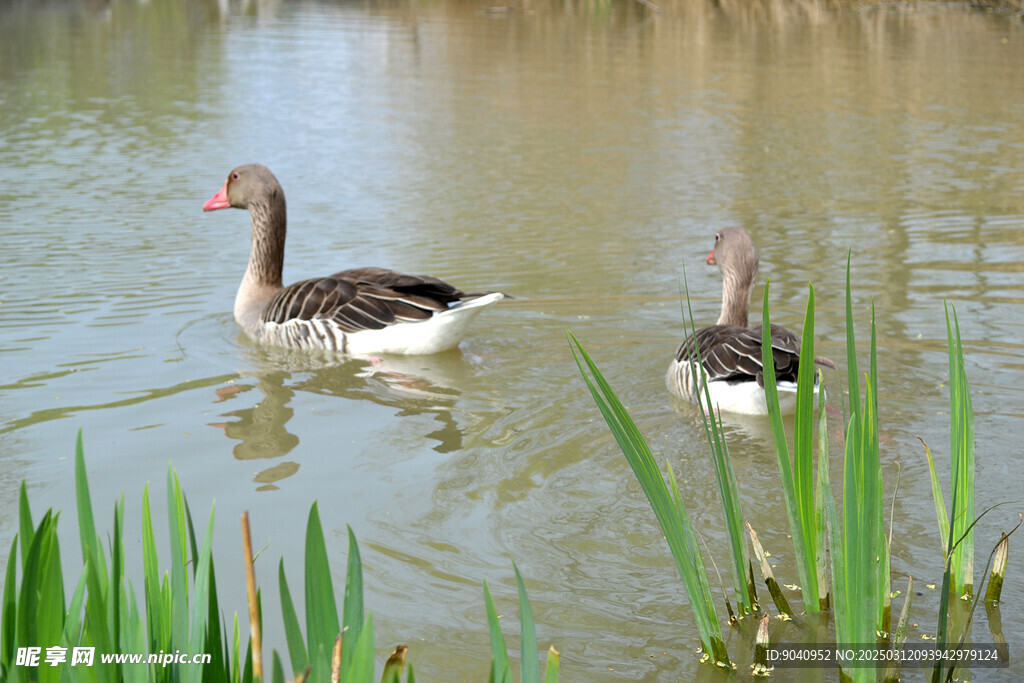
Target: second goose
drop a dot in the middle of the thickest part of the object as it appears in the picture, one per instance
(730, 350)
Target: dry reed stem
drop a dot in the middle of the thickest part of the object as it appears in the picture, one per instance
(760, 667)
(769, 577)
(250, 584)
(995, 580)
(336, 660)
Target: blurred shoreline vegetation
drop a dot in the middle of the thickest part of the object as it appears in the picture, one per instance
(193, 12)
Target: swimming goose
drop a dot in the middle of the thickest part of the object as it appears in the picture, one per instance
(730, 350)
(358, 311)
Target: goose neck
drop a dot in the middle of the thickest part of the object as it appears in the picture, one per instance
(736, 294)
(268, 223)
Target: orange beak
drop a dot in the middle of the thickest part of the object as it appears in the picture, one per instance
(219, 200)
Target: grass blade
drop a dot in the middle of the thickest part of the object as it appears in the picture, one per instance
(26, 529)
(179, 558)
(352, 614)
(728, 492)
(500, 671)
(803, 459)
(86, 523)
(805, 562)
(674, 521)
(321, 610)
(117, 570)
(703, 602)
(276, 669)
(9, 612)
(899, 634)
(529, 657)
(728, 489)
(362, 662)
(50, 610)
(824, 482)
(158, 620)
(551, 667)
(961, 416)
(852, 376)
(200, 602)
(862, 597)
(940, 505)
(133, 637)
(292, 631)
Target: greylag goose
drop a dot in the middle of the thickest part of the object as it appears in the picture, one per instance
(358, 311)
(730, 351)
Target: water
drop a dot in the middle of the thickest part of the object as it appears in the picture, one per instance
(572, 157)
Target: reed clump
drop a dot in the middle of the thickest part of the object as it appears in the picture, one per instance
(176, 629)
(852, 580)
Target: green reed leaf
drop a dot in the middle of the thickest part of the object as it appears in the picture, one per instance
(671, 514)
(276, 669)
(292, 630)
(352, 614)
(201, 602)
(179, 560)
(529, 657)
(322, 627)
(362, 663)
(551, 667)
(500, 670)
(961, 414)
(940, 505)
(9, 611)
(803, 550)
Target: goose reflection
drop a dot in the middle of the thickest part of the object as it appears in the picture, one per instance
(411, 386)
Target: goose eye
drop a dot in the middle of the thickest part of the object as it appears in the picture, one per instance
(718, 236)
(234, 176)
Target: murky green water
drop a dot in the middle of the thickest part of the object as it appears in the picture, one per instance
(572, 157)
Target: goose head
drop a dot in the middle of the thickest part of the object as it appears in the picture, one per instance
(736, 256)
(246, 187)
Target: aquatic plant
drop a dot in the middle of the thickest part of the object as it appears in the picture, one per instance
(101, 634)
(103, 617)
(665, 500)
(501, 670)
(728, 488)
(797, 475)
(860, 595)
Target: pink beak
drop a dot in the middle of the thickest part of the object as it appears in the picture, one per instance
(710, 260)
(219, 200)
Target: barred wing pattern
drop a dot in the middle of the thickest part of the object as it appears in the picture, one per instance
(732, 354)
(362, 299)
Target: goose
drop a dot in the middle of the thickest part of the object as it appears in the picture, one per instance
(359, 311)
(730, 350)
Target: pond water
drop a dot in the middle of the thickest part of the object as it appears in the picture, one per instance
(575, 156)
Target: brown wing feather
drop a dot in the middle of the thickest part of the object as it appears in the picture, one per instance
(363, 299)
(732, 353)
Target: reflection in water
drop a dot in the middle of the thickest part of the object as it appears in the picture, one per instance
(413, 386)
(74, 411)
(261, 429)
